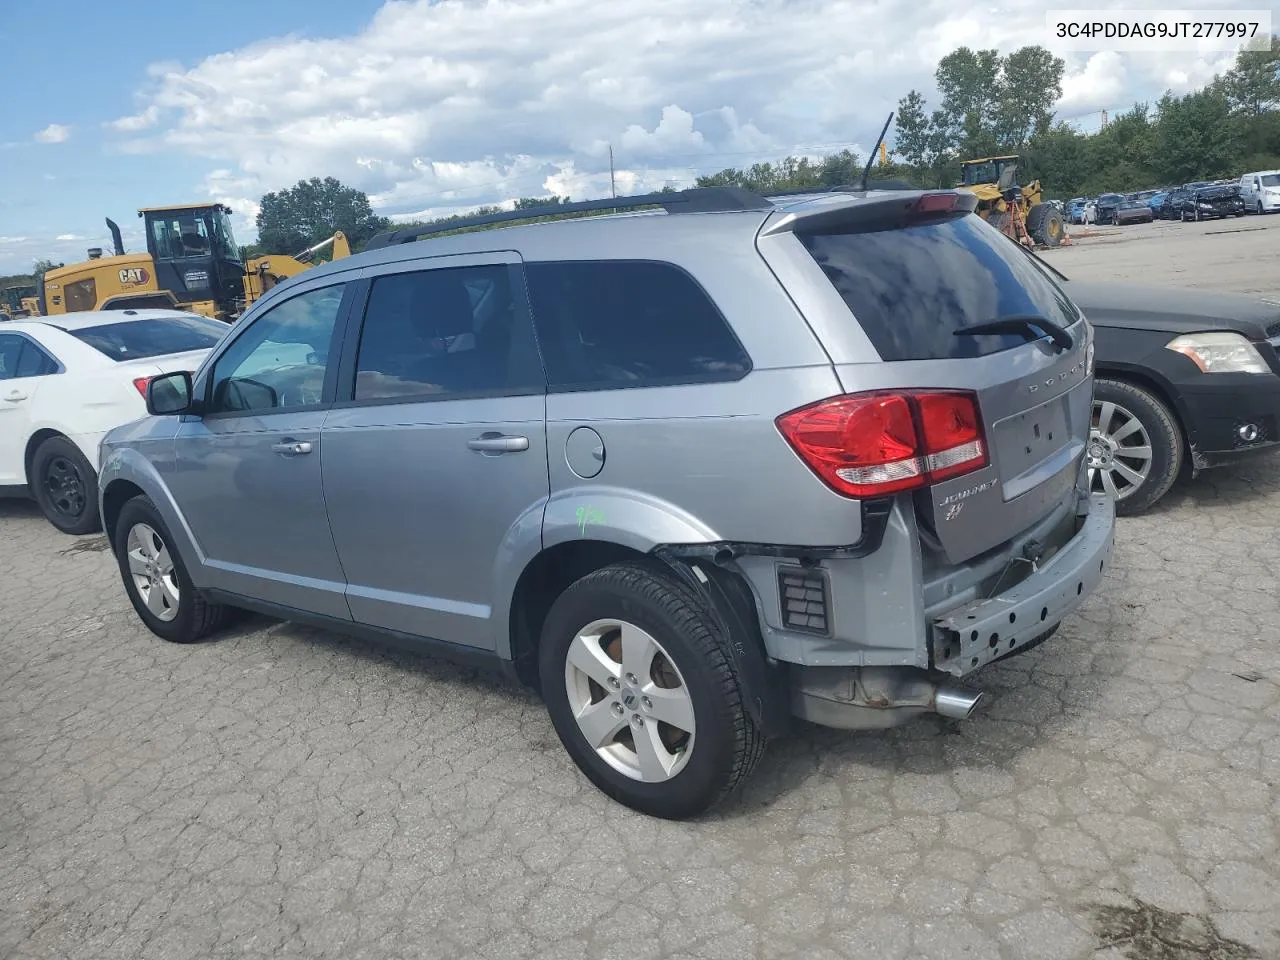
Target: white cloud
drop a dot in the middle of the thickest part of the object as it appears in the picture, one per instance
(53, 133)
(68, 236)
(138, 121)
(448, 104)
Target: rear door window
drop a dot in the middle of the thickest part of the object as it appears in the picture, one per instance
(912, 288)
(607, 324)
(152, 336)
(446, 332)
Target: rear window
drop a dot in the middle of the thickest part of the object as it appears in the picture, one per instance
(912, 288)
(152, 337)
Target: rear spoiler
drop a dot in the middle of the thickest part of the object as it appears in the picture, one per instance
(896, 207)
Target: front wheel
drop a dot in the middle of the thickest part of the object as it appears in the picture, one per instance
(643, 692)
(155, 579)
(65, 486)
(1135, 446)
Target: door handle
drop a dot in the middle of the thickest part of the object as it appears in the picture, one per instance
(15, 395)
(292, 448)
(498, 443)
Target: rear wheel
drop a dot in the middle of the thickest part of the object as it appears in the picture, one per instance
(65, 486)
(1044, 223)
(643, 692)
(1135, 446)
(155, 579)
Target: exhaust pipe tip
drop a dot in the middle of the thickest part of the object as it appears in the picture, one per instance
(956, 702)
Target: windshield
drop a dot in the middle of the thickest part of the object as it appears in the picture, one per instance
(152, 336)
(988, 172)
(224, 239)
(913, 288)
(1218, 193)
(1271, 180)
(180, 235)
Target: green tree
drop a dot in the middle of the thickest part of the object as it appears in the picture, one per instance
(1060, 159)
(1030, 84)
(301, 216)
(969, 84)
(911, 123)
(1195, 137)
(41, 267)
(1252, 86)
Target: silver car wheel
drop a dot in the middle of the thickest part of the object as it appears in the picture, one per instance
(1119, 451)
(630, 700)
(151, 567)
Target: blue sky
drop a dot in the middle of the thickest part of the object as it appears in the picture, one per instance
(81, 69)
(434, 106)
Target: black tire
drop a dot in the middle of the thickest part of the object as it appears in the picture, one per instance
(1167, 445)
(65, 485)
(196, 617)
(1044, 223)
(726, 744)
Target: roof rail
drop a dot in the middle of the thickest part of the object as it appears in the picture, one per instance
(697, 200)
(842, 188)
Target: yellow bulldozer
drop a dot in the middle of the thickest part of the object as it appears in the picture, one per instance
(192, 263)
(1019, 211)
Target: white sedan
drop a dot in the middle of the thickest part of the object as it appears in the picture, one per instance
(66, 380)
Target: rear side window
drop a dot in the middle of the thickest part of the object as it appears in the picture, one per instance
(1271, 180)
(607, 324)
(452, 331)
(152, 337)
(912, 288)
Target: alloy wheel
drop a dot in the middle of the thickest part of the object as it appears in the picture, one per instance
(151, 566)
(1119, 452)
(630, 700)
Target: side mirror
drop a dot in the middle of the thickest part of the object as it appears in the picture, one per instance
(169, 394)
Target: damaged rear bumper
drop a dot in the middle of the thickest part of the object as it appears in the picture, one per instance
(969, 637)
(964, 639)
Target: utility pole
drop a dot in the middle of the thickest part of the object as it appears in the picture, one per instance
(613, 187)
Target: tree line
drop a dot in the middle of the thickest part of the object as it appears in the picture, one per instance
(993, 105)
(987, 105)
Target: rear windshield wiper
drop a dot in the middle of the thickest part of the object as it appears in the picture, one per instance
(1037, 326)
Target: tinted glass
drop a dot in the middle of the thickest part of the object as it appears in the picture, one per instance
(1271, 180)
(152, 337)
(625, 323)
(281, 359)
(446, 332)
(180, 235)
(912, 288)
(19, 357)
(10, 351)
(34, 362)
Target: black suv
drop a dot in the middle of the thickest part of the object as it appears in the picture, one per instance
(1215, 200)
(1108, 207)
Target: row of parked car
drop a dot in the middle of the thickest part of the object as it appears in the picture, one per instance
(689, 471)
(1199, 200)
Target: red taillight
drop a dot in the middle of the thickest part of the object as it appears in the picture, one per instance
(873, 444)
(936, 203)
(952, 434)
(140, 384)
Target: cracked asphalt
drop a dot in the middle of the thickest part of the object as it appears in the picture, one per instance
(281, 792)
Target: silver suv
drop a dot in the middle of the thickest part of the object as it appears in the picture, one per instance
(692, 469)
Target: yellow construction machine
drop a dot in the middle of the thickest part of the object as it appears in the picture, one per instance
(1017, 210)
(192, 263)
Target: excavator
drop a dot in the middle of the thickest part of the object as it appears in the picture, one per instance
(192, 263)
(1018, 211)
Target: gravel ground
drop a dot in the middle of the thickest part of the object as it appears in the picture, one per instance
(279, 792)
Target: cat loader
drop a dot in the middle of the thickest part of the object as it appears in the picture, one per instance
(1018, 211)
(192, 263)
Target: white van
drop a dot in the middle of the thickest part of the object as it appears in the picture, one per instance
(1261, 191)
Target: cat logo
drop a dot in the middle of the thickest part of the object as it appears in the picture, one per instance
(132, 276)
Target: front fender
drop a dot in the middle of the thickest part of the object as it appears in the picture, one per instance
(128, 465)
